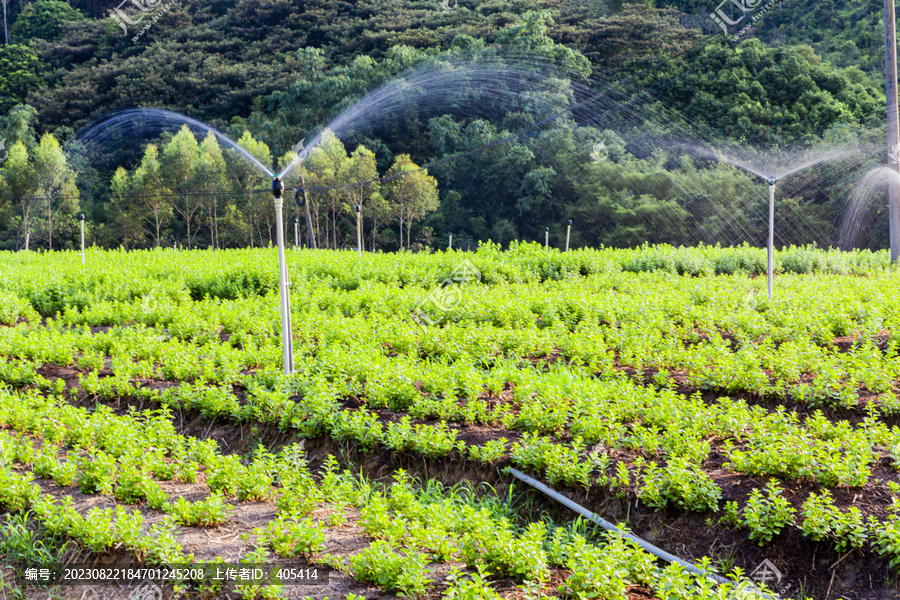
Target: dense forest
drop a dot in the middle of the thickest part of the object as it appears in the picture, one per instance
(270, 73)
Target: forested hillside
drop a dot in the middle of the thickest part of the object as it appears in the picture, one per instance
(276, 71)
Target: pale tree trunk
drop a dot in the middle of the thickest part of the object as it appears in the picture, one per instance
(216, 221)
(318, 239)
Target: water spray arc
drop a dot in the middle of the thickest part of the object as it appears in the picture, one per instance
(287, 343)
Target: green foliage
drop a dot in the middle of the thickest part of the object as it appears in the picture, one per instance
(209, 512)
(766, 515)
(44, 19)
(681, 484)
(822, 520)
(22, 71)
(381, 565)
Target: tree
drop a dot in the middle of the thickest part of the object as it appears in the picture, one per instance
(22, 72)
(18, 126)
(360, 169)
(150, 193)
(125, 214)
(246, 178)
(210, 174)
(44, 19)
(19, 183)
(413, 193)
(179, 164)
(322, 169)
(56, 187)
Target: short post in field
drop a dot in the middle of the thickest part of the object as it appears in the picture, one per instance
(296, 233)
(546, 238)
(82, 238)
(568, 233)
(358, 230)
(27, 237)
(286, 341)
(450, 243)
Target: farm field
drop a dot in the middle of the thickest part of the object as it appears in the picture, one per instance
(144, 418)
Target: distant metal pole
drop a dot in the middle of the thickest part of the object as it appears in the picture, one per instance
(286, 342)
(568, 233)
(296, 233)
(893, 124)
(27, 237)
(450, 243)
(546, 238)
(82, 239)
(358, 230)
(771, 248)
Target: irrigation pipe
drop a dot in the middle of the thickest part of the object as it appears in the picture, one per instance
(610, 527)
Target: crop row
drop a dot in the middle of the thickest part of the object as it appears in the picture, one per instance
(412, 527)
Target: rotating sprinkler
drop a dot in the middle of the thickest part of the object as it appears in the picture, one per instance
(771, 249)
(286, 337)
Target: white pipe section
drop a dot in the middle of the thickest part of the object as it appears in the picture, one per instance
(771, 252)
(610, 527)
(283, 285)
(893, 124)
(358, 231)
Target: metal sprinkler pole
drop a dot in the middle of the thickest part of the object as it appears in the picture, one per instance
(771, 246)
(568, 233)
(82, 239)
(358, 230)
(296, 233)
(546, 238)
(893, 124)
(286, 343)
(450, 243)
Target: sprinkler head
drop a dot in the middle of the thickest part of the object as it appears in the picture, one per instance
(772, 181)
(277, 187)
(570, 221)
(357, 208)
(81, 216)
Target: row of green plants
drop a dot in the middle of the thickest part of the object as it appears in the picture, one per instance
(243, 273)
(412, 527)
(655, 423)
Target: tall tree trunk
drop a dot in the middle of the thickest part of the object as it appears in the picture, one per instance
(317, 223)
(216, 221)
(309, 227)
